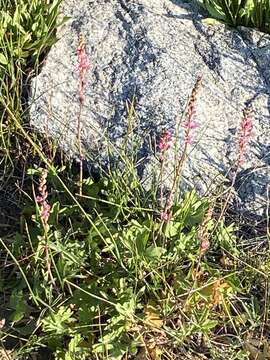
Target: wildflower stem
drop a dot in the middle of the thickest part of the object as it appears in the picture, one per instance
(79, 139)
(83, 66)
(189, 125)
(161, 182)
(178, 172)
(245, 133)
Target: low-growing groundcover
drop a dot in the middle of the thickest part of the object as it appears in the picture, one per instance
(104, 278)
(98, 267)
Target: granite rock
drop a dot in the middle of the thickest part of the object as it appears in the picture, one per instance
(153, 51)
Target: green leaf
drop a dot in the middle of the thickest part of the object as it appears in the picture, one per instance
(34, 171)
(209, 324)
(172, 228)
(64, 20)
(54, 213)
(142, 239)
(211, 21)
(215, 11)
(154, 253)
(3, 59)
(17, 303)
(59, 323)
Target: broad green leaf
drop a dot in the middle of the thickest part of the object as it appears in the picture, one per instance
(17, 303)
(154, 252)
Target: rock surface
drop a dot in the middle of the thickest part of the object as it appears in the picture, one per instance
(153, 51)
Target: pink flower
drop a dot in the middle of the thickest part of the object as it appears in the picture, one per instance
(41, 199)
(165, 215)
(205, 245)
(45, 211)
(188, 139)
(83, 62)
(83, 67)
(165, 143)
(190, 123)
(245, 133)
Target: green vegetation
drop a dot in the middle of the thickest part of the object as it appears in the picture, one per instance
(111, 279)
(27, 31)
(252, 13)
(103, 275)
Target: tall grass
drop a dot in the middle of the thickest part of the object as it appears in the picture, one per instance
(252, 13)
(27, 31)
